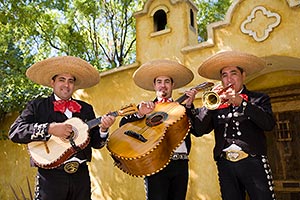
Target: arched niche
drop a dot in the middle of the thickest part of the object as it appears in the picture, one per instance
(160, 18)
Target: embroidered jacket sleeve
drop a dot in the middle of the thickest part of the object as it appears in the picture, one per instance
(26, 128)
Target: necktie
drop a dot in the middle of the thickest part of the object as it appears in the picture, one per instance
(62, 105)
(226, 105)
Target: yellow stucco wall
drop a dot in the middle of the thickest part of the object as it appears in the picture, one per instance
(151, 44)
(116, 89)
(14, 167)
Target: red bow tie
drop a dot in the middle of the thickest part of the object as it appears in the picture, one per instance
(62, 105)
(226, 105)
(164, 100)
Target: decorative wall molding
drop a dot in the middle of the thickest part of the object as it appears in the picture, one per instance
(160, 7)
(148, 4)
(260, 23)
(119, 69)
(293, 3)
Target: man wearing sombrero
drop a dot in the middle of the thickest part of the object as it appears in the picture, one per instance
(162, 76)
(43, 120)
(239, 124)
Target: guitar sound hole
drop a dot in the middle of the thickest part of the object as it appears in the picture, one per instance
(156, 118)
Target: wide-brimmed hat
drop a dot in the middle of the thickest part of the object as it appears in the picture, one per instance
(42, 72)
(212, 66)
(144, 76)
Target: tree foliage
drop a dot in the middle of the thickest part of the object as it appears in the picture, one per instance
(100, 31)
(210, 11)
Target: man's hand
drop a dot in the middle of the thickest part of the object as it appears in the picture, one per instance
(106, 122)
(145, 108)
(61, 130)
(191, 97)
(232, 97)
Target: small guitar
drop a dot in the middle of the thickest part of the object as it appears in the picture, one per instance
(56, 151)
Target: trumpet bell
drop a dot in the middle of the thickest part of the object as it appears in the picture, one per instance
(211, 100)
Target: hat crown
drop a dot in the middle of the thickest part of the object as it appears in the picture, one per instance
(42, 72)
(144, 76)
(213, 65)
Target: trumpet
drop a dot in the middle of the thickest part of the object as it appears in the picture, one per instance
(211, 99)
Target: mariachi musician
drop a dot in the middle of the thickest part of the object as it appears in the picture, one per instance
(239, 124)
(43, 118)
(162, 76)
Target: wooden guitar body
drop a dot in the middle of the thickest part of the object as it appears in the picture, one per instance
(52, 153)
(144, 147)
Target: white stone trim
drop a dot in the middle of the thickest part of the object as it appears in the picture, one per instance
(268, 27)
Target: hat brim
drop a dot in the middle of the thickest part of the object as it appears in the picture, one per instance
(42, 72)
(212, 66)
(144, 76)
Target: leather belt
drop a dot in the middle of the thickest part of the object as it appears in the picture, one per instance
(235, 155)
(180, 156)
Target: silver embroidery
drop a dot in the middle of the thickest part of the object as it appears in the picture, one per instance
(39, 131)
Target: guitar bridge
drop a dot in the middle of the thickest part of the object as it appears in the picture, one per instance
(135, 135)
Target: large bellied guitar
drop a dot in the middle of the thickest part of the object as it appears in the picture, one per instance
(145, 147)
(54, 152)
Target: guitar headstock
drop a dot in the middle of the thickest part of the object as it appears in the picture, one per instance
(204, 86)
(128, 110)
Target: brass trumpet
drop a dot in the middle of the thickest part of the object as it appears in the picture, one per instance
(211, 99)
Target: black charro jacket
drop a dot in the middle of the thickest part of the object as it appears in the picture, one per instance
(32, 124)
(244, 126)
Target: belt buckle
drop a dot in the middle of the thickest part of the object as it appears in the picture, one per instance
(71, 167)
(235, 156)
(177, 156)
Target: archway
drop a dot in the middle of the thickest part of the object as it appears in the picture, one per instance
(281, 81)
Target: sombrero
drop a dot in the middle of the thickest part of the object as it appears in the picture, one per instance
(42, 72)
(146, 73)
(212, 66)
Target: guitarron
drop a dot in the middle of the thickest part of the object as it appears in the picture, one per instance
(145, 147)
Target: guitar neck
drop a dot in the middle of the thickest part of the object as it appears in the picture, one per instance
(95, 122)
(182, 98)
(199, 87)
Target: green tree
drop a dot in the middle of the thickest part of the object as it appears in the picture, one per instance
(99, 31)
(210, 11)
(15, 88)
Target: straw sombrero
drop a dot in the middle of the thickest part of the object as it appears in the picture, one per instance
(42, 72)
(212, 66)
(144, 76)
